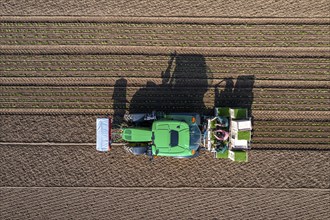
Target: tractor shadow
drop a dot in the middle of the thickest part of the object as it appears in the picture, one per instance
(182, 88)
(235, 93)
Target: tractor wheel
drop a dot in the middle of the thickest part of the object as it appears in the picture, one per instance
(136, 150)
(128, 118)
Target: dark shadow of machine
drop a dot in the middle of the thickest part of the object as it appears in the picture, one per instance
(183, 86)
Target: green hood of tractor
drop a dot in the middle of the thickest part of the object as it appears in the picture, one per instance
(138, 134)
(171, 138)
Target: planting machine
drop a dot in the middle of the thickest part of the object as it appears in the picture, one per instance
(226, 134)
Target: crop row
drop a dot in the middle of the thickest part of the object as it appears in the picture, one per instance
(300, 128)
(168, 92)
(163, 37)
(152, 105)
(215, 32)
(146, 75)
(302, 27)
(300, 141)
(170, 43)
(287, 124)
(156, 64)
(157, 69)
(287, 134)
(90, 98)
(156, 72)
(151, 82)
(257, 64)
(170, 97)
(157, 75)
(104, 91)
(161, 58)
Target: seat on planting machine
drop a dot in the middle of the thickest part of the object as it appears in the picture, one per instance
(239, 129)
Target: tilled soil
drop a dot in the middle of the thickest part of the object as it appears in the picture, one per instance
(168, 8)
(51, 166)
(169, 35)
(58, 73)
(102, 203)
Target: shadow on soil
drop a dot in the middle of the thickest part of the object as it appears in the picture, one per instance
(184, 84)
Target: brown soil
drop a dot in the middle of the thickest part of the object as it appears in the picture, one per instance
(83, 166)
(167, 35)
(59, 73)
(102, 203)
(181, 8)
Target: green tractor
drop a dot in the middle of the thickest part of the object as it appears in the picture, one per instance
(173, 135)
(226, 134)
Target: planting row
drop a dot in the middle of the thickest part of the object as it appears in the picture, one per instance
(163, 43)
(159, 59)
(320, 75)
(245, 81)
(95, 93)
(184, 35)
(173, 28)
(275, 63)
(182, 66)
(150, 64)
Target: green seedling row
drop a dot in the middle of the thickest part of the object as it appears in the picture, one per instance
(169, 37)
(164, 43)
(147, 105)
(178, 31)
(161, 58)
(280, 27)
(215, 67)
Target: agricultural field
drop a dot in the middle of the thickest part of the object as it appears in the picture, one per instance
(60, 70)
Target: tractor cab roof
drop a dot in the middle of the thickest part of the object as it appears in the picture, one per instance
(171, 138)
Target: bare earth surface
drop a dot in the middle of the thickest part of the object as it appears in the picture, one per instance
(83, 166)
(64, 64)
(182, 203)
(207, 8)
